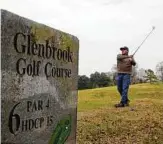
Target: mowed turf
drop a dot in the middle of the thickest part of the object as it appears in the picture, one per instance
(141, 123)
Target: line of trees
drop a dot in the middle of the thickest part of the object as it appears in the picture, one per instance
(97, 79)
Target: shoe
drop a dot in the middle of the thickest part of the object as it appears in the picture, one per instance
(119, 105)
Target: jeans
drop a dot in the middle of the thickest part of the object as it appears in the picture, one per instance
(123, 82)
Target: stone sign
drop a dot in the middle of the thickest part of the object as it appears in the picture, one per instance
(39, 73)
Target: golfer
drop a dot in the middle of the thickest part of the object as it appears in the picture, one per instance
(124, 70)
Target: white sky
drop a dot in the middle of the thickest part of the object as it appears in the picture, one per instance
(102, 26)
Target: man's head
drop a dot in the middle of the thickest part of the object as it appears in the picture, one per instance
(124, 50)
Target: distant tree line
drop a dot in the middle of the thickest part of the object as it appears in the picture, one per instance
(105, 79)
(96, 80)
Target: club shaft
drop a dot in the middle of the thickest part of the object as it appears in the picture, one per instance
(143, 41)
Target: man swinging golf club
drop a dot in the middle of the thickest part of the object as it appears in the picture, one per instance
(124, 70)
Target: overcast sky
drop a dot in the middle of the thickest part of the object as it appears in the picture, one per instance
(102, 26)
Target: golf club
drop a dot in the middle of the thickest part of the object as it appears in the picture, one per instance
(144, 40)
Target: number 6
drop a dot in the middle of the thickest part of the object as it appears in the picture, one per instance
(10, 122)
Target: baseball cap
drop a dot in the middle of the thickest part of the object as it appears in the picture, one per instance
(124, 48)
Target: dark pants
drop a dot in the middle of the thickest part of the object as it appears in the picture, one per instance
(123, 82)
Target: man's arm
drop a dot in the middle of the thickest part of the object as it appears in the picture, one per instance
(121, 57)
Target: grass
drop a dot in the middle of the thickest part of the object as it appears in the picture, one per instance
(141, 123)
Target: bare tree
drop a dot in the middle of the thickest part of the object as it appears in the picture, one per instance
(159, 70)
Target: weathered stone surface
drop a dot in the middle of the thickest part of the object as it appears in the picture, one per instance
(39, 70)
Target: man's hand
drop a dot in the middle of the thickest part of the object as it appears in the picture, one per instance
(131, 59)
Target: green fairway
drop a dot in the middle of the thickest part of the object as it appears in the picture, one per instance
(141, 123)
